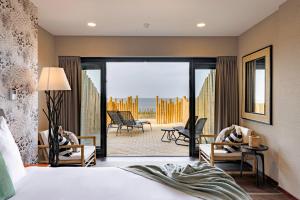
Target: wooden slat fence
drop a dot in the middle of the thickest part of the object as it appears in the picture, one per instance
(90, 106)
(172, 111)
(205, 103)
(129, 104)
(167, 110)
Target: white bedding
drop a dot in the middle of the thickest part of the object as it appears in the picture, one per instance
(105, 183)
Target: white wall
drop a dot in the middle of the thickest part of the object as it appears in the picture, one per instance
(86, 46)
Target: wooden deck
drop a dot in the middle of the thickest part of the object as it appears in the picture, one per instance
(148, 143)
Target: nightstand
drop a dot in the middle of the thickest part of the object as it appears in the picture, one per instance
(257, 153)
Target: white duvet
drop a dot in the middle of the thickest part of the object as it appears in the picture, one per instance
(103, 183)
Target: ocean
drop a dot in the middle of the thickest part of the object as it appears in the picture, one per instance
(146, 104)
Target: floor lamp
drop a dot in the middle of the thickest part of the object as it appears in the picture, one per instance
(53, 81)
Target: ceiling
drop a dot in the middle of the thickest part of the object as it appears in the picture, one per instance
(165, 17)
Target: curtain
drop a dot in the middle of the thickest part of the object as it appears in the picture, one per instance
(250, 86)
(227, 93)
(71, 105)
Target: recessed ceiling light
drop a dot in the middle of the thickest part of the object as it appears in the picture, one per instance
(146, 25)
(91, 24)
(201, 25)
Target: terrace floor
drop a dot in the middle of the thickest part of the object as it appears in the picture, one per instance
(137, 143)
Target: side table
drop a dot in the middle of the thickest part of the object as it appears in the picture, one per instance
(169, 132)
(257, 153)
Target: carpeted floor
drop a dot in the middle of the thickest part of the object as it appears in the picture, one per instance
(137, 143)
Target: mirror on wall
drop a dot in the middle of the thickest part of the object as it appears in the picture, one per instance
(257, 86)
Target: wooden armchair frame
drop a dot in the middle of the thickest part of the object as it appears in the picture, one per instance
(84, 163)
(212, 158)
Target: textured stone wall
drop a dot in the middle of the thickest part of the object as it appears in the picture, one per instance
(18, 70)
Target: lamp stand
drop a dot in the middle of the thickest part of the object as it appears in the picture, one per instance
(54, 102)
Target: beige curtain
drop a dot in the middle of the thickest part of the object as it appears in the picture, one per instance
(227, 93)
(250, 86)
(70, 113)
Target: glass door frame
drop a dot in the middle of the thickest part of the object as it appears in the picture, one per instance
(86, 64)
(194, 64)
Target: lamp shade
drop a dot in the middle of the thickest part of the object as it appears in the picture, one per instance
(53, 78)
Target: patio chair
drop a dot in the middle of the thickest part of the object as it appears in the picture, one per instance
(129, 121)
(115, 120)
(128, 115)
(184, 134)
(187, 125)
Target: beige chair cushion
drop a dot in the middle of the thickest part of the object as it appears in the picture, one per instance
(88, 151)
(206, 149)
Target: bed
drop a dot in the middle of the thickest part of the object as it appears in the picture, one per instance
(135, 182)
(109, 183)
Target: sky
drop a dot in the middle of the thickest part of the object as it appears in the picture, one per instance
(147, 79)
(260, 86)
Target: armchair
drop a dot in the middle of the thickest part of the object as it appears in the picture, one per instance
(210, 154)
(85, 157)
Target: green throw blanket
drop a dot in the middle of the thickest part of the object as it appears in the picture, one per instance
(199, 180)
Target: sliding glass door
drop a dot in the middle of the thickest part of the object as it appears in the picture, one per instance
(202, 92)
(200, 102)
(93, 109)
(153, 93)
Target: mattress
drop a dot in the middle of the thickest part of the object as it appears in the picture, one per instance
(76, 183)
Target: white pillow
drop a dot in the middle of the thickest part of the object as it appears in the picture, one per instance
(10, 153)
(73, 139)
(222, 136)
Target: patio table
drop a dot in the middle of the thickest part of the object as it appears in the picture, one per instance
(169, 133)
